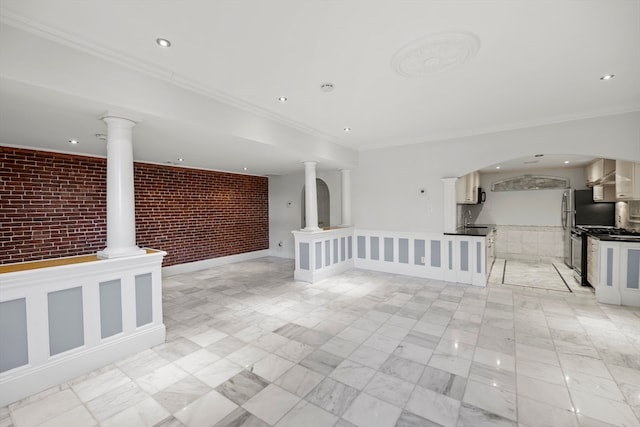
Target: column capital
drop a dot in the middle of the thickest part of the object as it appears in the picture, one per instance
(309, 162)
(119, 116)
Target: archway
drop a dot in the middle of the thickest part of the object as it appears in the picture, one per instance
(324, 205)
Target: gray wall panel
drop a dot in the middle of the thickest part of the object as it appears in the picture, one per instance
(343, 249)
(633, 268)
(388, 249)
(435, 253)
(361, 247)
(110, 308)
(335, 251)
(144, 299)
(418, 251)
(14, 349)
(464, 256)
(350, 245)
(609, 267)
(327, 253)
(318, 255)
(304, 256)
(375, 248)
(403, 251)
(66, 320)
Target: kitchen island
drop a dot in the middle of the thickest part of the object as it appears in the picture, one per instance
(471, 253)
(616, 270)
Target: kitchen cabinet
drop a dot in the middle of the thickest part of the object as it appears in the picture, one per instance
(604, 193)
(618, 275)
(599, 170)
(467, 188)
(627, 180)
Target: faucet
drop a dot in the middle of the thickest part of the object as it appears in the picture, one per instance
(467, 219)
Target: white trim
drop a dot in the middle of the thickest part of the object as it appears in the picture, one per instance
(330, 240)
(43, 370)
(190, 267)
(454, 275)
(27, 380)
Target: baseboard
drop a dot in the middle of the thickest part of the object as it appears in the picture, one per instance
(281, 254)
(25, 381)
(190, 267)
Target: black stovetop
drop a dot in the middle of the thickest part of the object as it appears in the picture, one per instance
(595, 230)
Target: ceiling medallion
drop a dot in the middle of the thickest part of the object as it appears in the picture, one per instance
(435, 53)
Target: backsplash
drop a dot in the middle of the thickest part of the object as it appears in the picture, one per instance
(463, 211)
(530, 243)
(622, 217)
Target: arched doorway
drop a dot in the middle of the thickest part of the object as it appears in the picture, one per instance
(324, 205)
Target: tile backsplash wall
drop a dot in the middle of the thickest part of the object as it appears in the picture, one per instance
(530, 243)
(622, 217)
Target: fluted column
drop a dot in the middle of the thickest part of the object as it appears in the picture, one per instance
(345, 175)
(310, 197)
(121, 221)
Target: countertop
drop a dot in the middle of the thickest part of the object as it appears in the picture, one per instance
(478, 230)
(616, 238)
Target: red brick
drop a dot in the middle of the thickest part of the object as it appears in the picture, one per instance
(54, 205)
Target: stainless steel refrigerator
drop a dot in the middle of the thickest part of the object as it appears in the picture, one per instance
(578, 208)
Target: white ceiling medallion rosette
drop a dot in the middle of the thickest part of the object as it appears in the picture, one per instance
(435, 53)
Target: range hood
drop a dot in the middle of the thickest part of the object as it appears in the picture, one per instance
(608, 179)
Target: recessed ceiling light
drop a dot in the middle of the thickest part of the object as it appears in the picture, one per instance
(163, 42)
(347, 129)
(180, 159)
(566, 162)
(497, 167)
(244, 169)
(607, 77)
(73, 141)
(282, 99)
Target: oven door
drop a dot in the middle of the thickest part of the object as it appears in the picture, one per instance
(576, 255)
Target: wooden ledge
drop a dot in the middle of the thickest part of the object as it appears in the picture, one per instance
(45, 263)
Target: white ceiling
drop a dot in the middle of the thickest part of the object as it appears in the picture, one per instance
(212, 97)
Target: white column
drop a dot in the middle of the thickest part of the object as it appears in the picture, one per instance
(449, 203)
(310, 197)
(345, 175)
(121, 220)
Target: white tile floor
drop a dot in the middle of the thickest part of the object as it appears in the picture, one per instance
(248, 346)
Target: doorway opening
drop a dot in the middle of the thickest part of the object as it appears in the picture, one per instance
(324, 205)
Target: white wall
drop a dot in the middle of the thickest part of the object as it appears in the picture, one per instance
(386, 183)
(284, 219)
(533, 207)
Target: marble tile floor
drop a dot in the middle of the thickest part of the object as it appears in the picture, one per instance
(533, 274)
(248, 346)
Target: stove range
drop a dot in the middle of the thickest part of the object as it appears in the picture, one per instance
(604, 230)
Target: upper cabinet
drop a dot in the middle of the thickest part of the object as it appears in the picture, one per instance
(600, 171)
(604, 193)
(467, 188)
(627, 180)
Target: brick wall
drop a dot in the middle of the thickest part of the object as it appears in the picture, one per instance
(54, 205)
